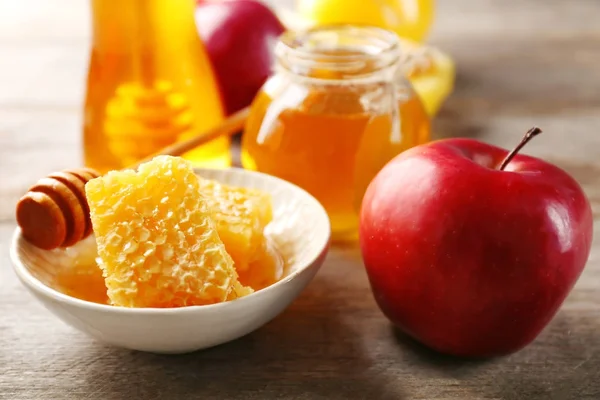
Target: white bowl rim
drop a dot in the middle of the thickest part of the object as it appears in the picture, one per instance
(33, 283)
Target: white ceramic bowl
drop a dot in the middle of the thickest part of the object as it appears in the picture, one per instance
(300, 230)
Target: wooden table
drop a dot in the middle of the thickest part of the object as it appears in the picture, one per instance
(520, 63)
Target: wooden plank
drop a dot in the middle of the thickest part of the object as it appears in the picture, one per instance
(532, 76)
(332, 343)
(519, 64)
(514, 20)
(32, 145)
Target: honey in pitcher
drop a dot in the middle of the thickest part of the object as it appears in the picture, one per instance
(330, 127)
(150, 84)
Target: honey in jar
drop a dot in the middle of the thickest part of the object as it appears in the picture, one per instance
(335, 112)
(149, 84)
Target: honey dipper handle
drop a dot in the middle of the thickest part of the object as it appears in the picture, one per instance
(230, 126)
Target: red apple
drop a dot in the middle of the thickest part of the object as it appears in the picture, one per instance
(469, 258)
(240, 37)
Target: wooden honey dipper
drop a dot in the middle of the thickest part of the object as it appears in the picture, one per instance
(54, 212)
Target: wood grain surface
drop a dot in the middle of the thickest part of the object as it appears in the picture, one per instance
(520, 63)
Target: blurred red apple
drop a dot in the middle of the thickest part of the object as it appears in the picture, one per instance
(240, 37)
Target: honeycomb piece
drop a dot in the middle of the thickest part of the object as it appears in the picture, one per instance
(264, 271)
(157, 243)
(241, 215)
(239, 290)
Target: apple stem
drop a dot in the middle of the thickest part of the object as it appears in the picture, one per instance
(528, 136)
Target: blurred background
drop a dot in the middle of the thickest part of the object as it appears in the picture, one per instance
(518, 63)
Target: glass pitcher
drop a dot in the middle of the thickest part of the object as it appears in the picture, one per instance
(150, 84)
(337, 109)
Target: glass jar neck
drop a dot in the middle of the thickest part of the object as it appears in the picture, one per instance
(339, 53)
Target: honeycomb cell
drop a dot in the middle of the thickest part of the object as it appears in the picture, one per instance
(157, 242)
(241, 215)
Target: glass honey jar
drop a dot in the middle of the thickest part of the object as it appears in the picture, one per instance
(150, 84)
(336, 110)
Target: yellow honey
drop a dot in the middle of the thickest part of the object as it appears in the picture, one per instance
(157, 241)
(241, 216)
(150, 84)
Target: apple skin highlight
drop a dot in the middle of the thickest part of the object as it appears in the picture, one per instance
(468, 259)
